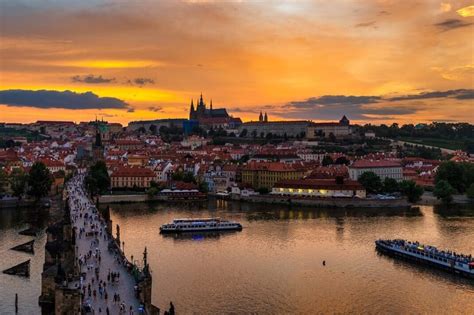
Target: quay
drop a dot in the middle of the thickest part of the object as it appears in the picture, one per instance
(85, 270)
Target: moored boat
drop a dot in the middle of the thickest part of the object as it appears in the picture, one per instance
(200, 225)
(430, 255)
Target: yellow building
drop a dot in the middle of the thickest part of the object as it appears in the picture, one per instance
(130, 177)
(266, 174)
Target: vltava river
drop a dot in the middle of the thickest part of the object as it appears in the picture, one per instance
(274, 266)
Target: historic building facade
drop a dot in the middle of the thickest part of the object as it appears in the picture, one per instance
(212, 117)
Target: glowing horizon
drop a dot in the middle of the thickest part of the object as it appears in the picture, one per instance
(374, 61)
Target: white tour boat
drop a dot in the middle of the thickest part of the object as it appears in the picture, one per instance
(200, 225)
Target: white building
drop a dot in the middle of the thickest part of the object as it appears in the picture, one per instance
(383, 169)
(321, 188)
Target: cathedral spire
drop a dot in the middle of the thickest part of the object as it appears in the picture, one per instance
(260, 118)
(211, 105)
(265, 119)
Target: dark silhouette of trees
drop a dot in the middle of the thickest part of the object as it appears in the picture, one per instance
(39, 181)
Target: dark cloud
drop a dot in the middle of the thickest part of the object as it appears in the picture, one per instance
(366, 24)
(460, 94)
(335, 100)
(92, 79)
(364, 107)
(141, 81)
(59, 99)
(155, 108)
(451, 24)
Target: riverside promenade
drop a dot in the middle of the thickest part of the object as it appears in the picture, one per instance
(106, 283)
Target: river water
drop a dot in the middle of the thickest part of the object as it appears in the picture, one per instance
(274, 265)
(13, 221)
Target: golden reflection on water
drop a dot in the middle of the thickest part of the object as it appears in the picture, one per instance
(274, 265)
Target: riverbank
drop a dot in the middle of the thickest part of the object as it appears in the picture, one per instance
(131, 198)
(429, 199)
(327, 202)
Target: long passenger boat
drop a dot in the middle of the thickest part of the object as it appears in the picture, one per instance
(430, 255)
(199, 225)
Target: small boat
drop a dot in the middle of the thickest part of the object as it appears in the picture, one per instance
(429, 255)
(200, 225)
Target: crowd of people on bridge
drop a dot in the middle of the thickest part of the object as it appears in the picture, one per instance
(91, 239)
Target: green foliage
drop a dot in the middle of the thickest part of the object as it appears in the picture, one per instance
(3, 181)
(370, 181)
(18, 180)
(470, 191)
(409, 150)
(411, 190)
(444, 191)
(187, 177)
(459, 175)
(203, 187)
(243, 133)
(390, 185)
(447, 135)
(152, 192)
(97, 180)
(170, 134)
(342, 160)
(263, 190)
(327, 160)
(39, 181)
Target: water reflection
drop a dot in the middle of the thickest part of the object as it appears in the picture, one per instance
(198, 236)
(12, 221)
(310, 214)
(427, 271)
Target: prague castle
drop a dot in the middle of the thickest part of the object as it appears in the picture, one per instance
(212, 118)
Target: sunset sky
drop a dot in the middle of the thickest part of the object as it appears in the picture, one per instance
(376, 61)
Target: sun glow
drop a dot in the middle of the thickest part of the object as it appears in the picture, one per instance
(466, 11)
(110, 64)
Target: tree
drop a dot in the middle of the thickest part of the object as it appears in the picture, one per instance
(342, 160)
(187, 177)
(152, 192)
(327, 160)
(3, 181)
(39, 181)
(390, 185)
(444, 191)
(18, 180)
(243, 133)
(370, 181)
(455, 174)
(153, 129)
(203, 187)
(411, 190)
(142, 130)
(470, 191)
(97, 180)
(254, 133)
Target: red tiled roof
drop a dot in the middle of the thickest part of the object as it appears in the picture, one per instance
(374, 164)
(272, 166)
(133, 172)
